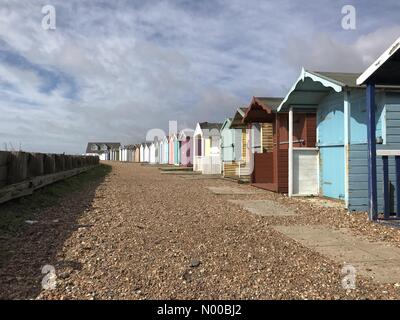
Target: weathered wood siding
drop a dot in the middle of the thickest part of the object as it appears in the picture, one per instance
(388, 125)
(358, 119)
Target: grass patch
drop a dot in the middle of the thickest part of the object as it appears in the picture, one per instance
(16, 212)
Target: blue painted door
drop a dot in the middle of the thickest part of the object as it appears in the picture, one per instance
(332, 171)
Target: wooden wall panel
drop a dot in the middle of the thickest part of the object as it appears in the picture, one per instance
(266, 137)
(230, 169)
(311, 133)
(283, 175)
(244, 144)
(263, 168)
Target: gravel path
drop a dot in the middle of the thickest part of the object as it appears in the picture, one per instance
(146, 235)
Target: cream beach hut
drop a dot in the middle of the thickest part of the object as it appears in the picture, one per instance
(207, 148)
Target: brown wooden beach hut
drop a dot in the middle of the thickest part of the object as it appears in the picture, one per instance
(270, 168)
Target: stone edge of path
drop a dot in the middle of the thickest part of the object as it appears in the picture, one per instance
(375, 260)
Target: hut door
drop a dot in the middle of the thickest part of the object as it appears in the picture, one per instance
(332, 171)
(305, 171)
(199, 152)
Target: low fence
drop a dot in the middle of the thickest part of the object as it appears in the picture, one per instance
(211, 164)
(236, 170)
(22, 172)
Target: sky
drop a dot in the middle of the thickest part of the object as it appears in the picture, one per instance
(112, 70)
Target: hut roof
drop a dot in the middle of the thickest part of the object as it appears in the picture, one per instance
(98, 145)
(261, 109)
(312, 86)
(237, 121)
(385, 70)
(210, 125)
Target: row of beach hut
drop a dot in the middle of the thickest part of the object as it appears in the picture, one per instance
(169, 150)
(314, 141)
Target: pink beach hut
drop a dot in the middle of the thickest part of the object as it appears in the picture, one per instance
(185, 136)
(171, 149)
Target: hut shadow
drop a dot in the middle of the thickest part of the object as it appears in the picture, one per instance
(33, 231)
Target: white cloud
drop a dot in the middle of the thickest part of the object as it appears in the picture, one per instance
(324, 52)
(126, 67)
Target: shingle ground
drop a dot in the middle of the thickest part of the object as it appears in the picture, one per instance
(141, 234)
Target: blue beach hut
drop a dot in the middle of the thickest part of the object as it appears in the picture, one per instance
(384, 170)
(341, 147)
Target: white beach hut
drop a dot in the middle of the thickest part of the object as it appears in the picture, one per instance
(207, 148)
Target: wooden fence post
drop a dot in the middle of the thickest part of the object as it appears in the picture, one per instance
(60, 164)
(3, 167)
(68, 162)
(17, 167)
(74, 162)
(49, 164)
(35, 164)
